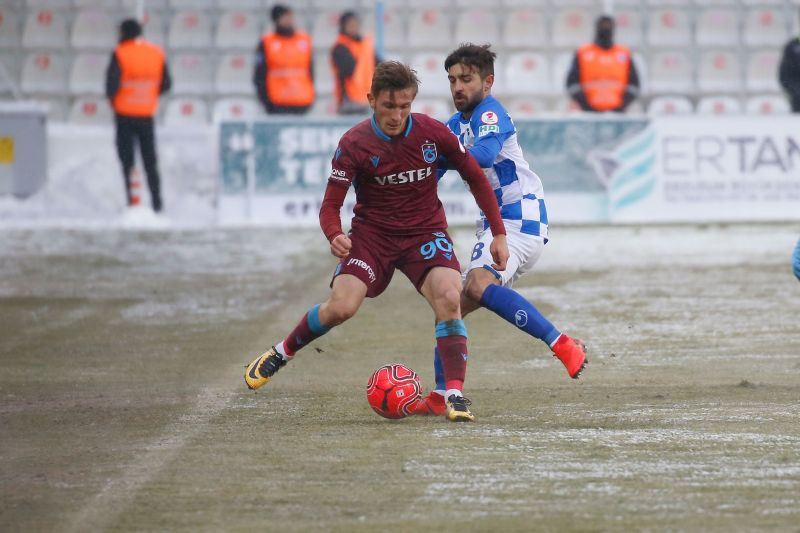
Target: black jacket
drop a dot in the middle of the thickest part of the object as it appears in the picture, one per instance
(789, 72)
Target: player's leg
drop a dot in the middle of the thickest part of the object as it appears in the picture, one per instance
(125, 142)
(147, 144)
(347, 294)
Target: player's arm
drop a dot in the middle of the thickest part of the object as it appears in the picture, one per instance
(343, 170)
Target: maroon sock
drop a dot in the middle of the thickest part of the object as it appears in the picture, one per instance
(308, 329)
(453, 351)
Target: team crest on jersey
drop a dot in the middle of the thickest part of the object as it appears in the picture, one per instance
(489, 117)
(429, 152)
(337, 154)
(375, 160)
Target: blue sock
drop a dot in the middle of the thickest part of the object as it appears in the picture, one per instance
(510, 305)
(438, 370)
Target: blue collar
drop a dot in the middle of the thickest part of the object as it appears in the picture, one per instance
(385, 137)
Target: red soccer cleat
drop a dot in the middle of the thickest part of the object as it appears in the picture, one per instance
(571, 352)
(430, 405)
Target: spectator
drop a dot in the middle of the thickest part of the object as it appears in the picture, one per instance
(283, 73)
(603, 76)
(353, 60)
(789, 73)
(136, 76)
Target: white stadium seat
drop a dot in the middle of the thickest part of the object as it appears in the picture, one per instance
(235, 109)
(628, 30)
(191, 4)
(106, 4)
(717, 27)
(88, 73)
(431, 73)
(323, 72)
(190, 29)
(560, 68)
(323, 106)
(45, 28)
(394, 29)
(9, 28)
(528, 73)
(54, 4)
(572, 27)
(43, 72)
(719, 105)
(525, 28)
(476, 25)
(719, 71)
(670, 105)
(243, 4)
(191, 74)
(234, 73)
(669, 27)
(670, 72)
(767, 105)
(238, 29)
(765, 26)
(153, 28)
(324, 29)
(438, 108)
(762, 68)
(94, 29)
(94, 110)
(9, 73)
(525, 107)
(429, 28)
(186, 111)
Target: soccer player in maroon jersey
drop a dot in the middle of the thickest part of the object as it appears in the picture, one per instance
(398, 223)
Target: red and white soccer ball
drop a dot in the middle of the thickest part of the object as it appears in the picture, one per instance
(393, 390)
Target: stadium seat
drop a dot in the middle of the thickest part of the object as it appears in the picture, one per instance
(529, 73)
(765, 26)
(9, 28)
(53, 4)
(438, 108)
(324, 29)
(191, 4)
(94, 29)
(190, 29)
(525, 28)
(537, 4)
(467, 4)
(420, 4)
(323, 106)
(668, 27)
(191, 74)
(45, 28)
(477, 25)
(235, 109)
(717, 27)
(107, 4)
(719, 105)
(662, 3)
(244, 4)
(719, 71)
(572, 27)
(323, 72)
(185, 111)
(429, 28)
(88, 73)
(565, 105)
(153, 28)
(628, 30)
(43, 72)
(525, 107)
(9, 74)
(394, 32)
(670, 72)
(670, 105)
(238, 29)
(762, 68)
(234, 73)
(432, 77)
(94, 110)
(767, 105)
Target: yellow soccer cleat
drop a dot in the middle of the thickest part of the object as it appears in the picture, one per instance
(264, 367)
(456, 409)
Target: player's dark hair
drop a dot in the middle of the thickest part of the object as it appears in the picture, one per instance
(473, 55)
(393, 76)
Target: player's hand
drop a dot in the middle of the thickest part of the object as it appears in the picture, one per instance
(340, 246)
(499, 251)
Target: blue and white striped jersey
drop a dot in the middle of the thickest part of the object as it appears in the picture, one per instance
(518, 189)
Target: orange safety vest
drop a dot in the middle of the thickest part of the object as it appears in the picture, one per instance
(141, 66)
(288, 60)
(359, 83)
(604, 75)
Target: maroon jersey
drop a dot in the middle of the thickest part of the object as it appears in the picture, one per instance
(395, 178)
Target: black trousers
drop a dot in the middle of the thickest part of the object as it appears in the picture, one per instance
(131, 130)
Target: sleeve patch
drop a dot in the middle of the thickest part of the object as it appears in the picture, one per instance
(486, 129)
(489, 117)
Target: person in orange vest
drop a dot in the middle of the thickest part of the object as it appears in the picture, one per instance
(353, 61)
(603, 76)
(136, 77)
(284, 75)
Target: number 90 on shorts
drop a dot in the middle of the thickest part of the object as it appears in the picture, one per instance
(437, 245)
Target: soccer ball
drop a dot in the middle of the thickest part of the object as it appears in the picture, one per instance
(393, 390)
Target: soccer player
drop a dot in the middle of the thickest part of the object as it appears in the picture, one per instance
(399, 223)
(485, 128)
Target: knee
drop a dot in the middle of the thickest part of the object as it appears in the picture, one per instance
(338, 311)
(473, 288)
(449, 298)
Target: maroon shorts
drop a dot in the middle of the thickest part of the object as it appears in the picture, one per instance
(374, 256)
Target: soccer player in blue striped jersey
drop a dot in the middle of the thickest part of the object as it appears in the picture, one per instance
(484, 127)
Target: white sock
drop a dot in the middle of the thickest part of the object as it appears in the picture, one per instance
(451, 392)
(282, 351)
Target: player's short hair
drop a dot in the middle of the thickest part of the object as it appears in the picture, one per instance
(473, 55)
(393, 76)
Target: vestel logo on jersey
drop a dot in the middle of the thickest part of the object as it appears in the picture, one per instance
(407, 176)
